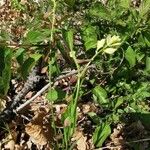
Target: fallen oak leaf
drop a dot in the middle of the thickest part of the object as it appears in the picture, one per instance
(40, 133)
(80, 140)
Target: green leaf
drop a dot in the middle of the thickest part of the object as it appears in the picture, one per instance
(55, 94)
(69, 39)
(20, 56)
(100, 44)
(119, 101)
(147, 38)
(5, 69)
(125, 3)
(148, 64)
(130, 56)
(113, 41)
(144, 8)
(36, 36)
(101, 95)
(70, 3)
(52, 95)
(101, 133)
(110, 50)
(100, 11)
(90, 37)
(28, 64)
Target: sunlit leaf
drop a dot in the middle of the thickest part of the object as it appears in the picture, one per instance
(100, 44)
(130, 56)
(101, 95)
(69, 38)
(52, 95)
(90, 37)
(110, 50)
(101, 133)
(113, 41)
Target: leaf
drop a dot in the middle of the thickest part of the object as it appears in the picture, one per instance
(110, 50)
(28, 64)
(125, 3)
(100, 11)
(119, 101)
(70, 3)
(100, 134)
(72, 54)
(40, 132)
(100, 44)
(90, 37)
(130, 56)
(80, 140)
(144, 8)
(147, 38)
(113, 41)
(101, 95)
(5, 69)
(36, 36)
(52, 95)
(148, 64)
(20, 56)
(69, 39)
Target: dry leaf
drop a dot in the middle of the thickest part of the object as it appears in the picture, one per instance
(10, 145)
(80, 140)
(11, 141)
(67, 122)
(40, 132)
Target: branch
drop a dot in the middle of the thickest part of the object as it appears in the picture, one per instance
(46, 87)
(8, 114)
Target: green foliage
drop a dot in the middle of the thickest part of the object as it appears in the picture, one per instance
(5, 69)
(101, 95)
(55, 94)
(89, 37)
(28, 64)
(130, 56)
(37, 36)
(114, 37)
(101, 133)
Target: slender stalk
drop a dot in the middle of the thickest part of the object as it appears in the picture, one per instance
(77, 95)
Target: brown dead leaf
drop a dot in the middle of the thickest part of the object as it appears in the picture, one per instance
(11, 138)
(80, 140)
(10, 145)
(40, 132)
(67, 122)
(29, 95)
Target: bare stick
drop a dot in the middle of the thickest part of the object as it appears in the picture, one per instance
(45, 88)
(34, 97)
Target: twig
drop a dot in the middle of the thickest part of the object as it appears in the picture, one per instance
(66, 75)
(45, 88)
(34, 97)
(109, 147)
(137, 141)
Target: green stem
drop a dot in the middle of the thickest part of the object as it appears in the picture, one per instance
(76, 100)
(87, 65)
